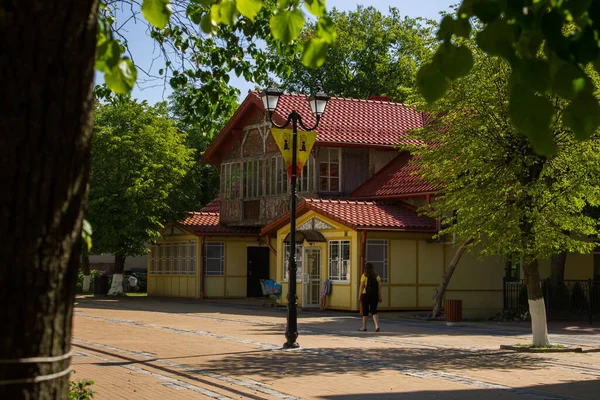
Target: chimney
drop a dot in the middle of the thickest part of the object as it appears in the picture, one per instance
(380, 98)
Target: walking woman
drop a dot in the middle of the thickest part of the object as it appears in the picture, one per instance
(369, 296)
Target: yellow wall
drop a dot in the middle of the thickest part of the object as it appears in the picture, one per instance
(578, 266)
(231, 285)
(176, 285)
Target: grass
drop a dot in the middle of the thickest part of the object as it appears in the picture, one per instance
(135, 294)
(530, 345)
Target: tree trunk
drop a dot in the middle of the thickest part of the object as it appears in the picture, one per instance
(116, 287)
(85, 269)
(439, 295)
(557, 267)
(537, 308)
(46, 75)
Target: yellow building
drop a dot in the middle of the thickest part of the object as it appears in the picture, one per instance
(359, 197)
(200, 258)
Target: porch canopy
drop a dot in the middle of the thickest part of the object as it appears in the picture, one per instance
(309, 236)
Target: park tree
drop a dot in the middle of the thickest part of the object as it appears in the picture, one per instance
(375, 54)
(139, 160)
(499, 195)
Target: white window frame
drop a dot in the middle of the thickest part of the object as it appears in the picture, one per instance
(276, 182)
(230, 180)
(252, 182)
(381, 266)
(340, 263)
(307, 178)
(325, 158)
(220, 259)
(173, 258)
(286, 261)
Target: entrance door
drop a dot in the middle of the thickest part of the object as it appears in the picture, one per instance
(311, 277)
(257, 269)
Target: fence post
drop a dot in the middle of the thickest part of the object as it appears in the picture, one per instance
(548, 308)
(504, 299)
(590, 300)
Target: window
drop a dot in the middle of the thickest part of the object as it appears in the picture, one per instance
(306, 180)
(276, 176)
(173, 258)
(377, 254)
(253, 178)
(230, 180)
(329, 170)
(286, 262)
(339, 260)
(213, 258)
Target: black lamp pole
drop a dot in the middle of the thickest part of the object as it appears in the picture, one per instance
(291, 329)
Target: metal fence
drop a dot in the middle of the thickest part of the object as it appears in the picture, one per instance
(569, 299)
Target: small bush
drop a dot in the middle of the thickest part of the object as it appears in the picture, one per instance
(81, 390)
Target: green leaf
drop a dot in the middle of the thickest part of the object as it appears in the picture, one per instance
(207, 25)
(454, 61)
(532, 115)
(582, 116)
(157, 12)
(446, 29)
(86, 234)
(432, 84)
(249, 8)
(585, 46)
(326, 30)
(224, 12)
(314, 52)
(286, 25)
(570, 80)
(535, 73)
(121, 77)
(315, 7)
(487, 11)
(497, 39)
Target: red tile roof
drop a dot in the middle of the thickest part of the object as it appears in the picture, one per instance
(354, 121)
(398, 178)
(369, 123)
(360, 215)
(207, 224)
(213, 206)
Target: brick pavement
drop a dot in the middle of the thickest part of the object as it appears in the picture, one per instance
(156, 349)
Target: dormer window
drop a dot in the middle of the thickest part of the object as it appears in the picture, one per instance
(329, 169)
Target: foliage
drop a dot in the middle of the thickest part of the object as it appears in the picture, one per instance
(201, 42)
(500, 191)
(550, 46)
(201, 184)
(376, 54)
(81, 390)
(139, 160)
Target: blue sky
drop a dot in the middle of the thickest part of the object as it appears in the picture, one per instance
(143, 51)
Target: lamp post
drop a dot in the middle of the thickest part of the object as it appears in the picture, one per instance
(318, 103)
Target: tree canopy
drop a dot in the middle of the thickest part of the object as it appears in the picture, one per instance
(139, 160)
(495, 188)
(551, 48)
(375, 54)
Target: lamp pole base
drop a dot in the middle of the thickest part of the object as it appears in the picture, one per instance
(294, 345)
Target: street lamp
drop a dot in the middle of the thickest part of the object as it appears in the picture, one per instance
(318, 103)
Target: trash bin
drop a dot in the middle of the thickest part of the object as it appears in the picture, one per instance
(101, 284)
(453, 311)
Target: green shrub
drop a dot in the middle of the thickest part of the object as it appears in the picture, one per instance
(81, 390)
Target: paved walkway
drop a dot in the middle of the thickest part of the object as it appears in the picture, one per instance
(169, 349)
